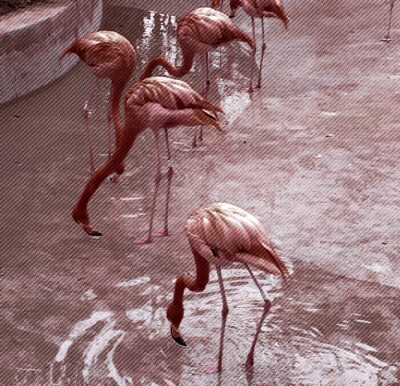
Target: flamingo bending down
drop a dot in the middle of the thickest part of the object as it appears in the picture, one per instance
(387, 37)
(109, 55)
(221, 234)
(200, 31)
(261, 9)
(157, 103)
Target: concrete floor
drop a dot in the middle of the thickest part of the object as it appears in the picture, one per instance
(314, 155)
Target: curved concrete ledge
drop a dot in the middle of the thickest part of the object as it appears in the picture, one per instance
(32, 39)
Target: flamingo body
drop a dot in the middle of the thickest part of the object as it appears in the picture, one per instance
(107, 53)
(234, 235)
(205, 29)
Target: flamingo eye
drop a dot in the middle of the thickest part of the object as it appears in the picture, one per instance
(214, 252)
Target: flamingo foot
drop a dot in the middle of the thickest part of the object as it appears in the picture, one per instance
(160, 233)
(258, 85)
(211, 368)
(386, 38)
(250, 89)
(143, 240)
(249, 362)
(178, 339)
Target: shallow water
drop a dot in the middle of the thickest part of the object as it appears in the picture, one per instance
(83, 311)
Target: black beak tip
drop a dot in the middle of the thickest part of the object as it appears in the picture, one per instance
(179, 340)
(95, 234)
(231, 16)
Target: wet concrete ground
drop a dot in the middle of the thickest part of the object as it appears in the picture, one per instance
(314, 155)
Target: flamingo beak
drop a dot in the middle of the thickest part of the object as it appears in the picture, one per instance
(178, 340)
(91, 232)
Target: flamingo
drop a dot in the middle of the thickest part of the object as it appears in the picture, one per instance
(387, 37)
(221, 234)
(200, 31)
(261, 9)
(157, 103)
(109, 55)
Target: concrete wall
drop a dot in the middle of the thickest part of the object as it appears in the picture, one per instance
(32, 39)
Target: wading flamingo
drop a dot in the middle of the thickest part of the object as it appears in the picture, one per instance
(109, 55)
(199, 32)
(387, 37)
(221, 234)
(156, 103)
(261, 9)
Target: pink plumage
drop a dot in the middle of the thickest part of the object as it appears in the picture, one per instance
(220, 233)
(237, 236)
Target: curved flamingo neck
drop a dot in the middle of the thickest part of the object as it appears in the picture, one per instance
(172, 70)
(195, 284)
(125, 141)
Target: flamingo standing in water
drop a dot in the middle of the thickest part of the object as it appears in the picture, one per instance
(200, 31)
(109, 55)
(387, 37)
(221, 234)
(261, 9)
(157, 103)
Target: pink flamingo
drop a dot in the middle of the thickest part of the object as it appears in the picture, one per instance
(221, 234)
(200, 31)
(387, 37)
(261, 9)
(109, 55)
(157, 103)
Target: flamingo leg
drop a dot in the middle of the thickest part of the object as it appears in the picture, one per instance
(109, 122)
(157, 179)
(263, 47)
(204, 93)
(267, 306)
(85, 113)
(207, 87)
(254, 55)
(170, 172)
(121, 168)
(225, 310)
(387, 37)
